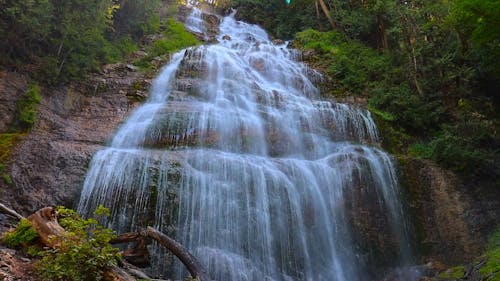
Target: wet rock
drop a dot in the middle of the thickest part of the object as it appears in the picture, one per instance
(278, 42)
(226, 37)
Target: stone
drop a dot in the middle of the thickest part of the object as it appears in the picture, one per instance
(226, 37)
(278, 42)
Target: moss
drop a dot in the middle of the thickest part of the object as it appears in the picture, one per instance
(453, 273)
(7, 143)
(175, 38)
(23, 235)
(492, 266)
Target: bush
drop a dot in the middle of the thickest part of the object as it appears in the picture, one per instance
(22, 235)
(83, 253)
(117, 50)
(27, 108)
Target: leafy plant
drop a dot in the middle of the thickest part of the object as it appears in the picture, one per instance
(84, 252)
(27, 107)
(22, 235)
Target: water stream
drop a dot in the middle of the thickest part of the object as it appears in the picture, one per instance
(237, 156)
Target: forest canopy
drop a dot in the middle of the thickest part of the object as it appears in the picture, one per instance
(61, 40)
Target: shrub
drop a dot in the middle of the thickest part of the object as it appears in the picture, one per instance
(22, 235)
(27, 107)
(83, 253)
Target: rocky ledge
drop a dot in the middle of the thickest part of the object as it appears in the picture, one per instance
(48, 164)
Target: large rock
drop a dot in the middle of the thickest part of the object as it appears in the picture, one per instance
(452, 218)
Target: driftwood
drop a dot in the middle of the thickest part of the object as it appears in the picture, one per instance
(193, 266)
(10, 212)
(44, 221)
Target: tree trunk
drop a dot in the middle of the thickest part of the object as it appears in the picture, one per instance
(327, 13)
(320, 25)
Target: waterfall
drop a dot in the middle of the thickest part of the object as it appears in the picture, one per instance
(237, 156)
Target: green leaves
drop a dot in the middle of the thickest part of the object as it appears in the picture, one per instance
(477, 23)
(22, 235)
(83, 253)
(27, 108)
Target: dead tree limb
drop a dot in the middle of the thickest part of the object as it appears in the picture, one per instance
(10, 212)
(193, 266)
(137, 255)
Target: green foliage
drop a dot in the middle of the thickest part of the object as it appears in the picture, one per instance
(324, 42)
(468, 145)
(83, 253)
(453, 273)
(175, 38)
(492, 267)
(27, 108)
(23, 27)
(477, 23)
(62, 40)
(22, 235)
(136, 18)
(118, 49)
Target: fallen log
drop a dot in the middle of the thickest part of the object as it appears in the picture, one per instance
(193, 266)
(191, 263)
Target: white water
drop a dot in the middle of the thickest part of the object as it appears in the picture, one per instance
(236, 155)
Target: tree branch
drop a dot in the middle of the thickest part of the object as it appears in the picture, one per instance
(10, 212)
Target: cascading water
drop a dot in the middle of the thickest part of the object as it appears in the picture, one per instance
(235, 155)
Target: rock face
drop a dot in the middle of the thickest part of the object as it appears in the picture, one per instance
(452, 218)
(48, 165)
(14, 267)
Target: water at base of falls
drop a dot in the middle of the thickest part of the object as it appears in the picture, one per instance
(236, 156)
